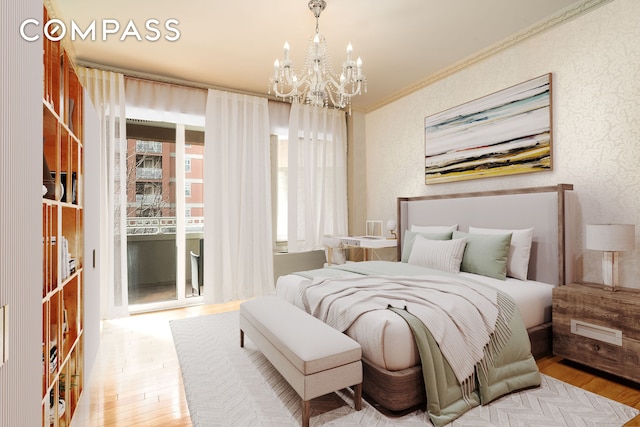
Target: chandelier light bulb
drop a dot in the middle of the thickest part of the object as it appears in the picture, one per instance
(286, 51)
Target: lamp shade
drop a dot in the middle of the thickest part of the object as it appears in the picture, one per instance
(391, 224)
(611, 237)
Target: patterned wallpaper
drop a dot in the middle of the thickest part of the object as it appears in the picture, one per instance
(595, 62)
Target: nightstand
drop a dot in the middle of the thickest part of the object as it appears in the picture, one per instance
(598, 328)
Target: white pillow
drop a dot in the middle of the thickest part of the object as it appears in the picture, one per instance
(445, 255)
(433, 228)
(519, 249)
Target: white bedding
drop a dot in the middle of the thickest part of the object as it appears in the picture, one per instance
(386, 339)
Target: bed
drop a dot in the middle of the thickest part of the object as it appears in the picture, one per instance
(393, 376)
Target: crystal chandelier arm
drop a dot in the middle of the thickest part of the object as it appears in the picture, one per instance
(338, 94)
(293, 93)
(285, 82)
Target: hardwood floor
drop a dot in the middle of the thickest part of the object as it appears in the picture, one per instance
(136, 379)
(155, 292)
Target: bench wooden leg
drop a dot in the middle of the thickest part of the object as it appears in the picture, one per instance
(306, 412)
(357, 397)
(241, 338)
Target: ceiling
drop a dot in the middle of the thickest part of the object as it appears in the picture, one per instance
(233, 44)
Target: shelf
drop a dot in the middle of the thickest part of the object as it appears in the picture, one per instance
(62, 237)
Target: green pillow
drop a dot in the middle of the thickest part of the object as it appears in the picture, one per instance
(410, 237)
(485, 254)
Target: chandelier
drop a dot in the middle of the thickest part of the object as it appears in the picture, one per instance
(318, 84)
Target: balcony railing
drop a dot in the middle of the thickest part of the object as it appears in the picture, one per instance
(149, 147)
(148, 173)
(148, 199)
(163, 225)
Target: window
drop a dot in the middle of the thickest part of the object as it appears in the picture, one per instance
(320, 169)
(171, 137)
(187, 189)
(319, 186)
(279, 179)
(148, 197)
(147, 161)
(148, 166)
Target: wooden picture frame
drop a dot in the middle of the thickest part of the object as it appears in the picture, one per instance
(505, 133)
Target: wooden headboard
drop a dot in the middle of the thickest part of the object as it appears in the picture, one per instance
(549, 210)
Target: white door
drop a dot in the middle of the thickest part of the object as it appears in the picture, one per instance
(92, 224)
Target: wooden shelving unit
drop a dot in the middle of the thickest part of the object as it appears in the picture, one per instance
(62, 237)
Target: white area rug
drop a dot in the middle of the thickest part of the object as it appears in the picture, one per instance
(227, 385)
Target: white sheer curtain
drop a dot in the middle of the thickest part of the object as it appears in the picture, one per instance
(163, 102)
(317, 176)
(279, 113)
(106, 90)
(238, 197)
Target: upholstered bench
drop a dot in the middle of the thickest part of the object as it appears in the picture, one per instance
(312, 356)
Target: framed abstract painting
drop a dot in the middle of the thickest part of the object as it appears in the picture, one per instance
(505, 133)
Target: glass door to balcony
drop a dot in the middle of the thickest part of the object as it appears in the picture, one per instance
(165, 215)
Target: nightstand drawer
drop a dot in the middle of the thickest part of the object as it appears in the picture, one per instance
(598, 328)
(592, 304)
(622, 360)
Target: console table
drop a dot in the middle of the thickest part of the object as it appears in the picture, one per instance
(366, 243)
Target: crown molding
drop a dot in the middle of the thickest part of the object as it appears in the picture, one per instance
(558, 19)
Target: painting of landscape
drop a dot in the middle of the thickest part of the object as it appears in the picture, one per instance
(505, 133)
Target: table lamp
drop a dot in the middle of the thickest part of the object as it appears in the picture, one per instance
(391, 227)
(611, 239)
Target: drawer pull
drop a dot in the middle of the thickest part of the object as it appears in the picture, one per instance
(596, 332)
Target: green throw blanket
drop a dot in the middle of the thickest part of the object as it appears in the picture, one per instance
(512, 369)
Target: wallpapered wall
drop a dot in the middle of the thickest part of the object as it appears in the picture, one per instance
(595, 64)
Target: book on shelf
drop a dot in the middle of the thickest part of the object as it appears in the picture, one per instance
(65, 258)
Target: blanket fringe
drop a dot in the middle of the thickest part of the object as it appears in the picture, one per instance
(499, 339)
(467, 387)
(502, 333)
(500, 336)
